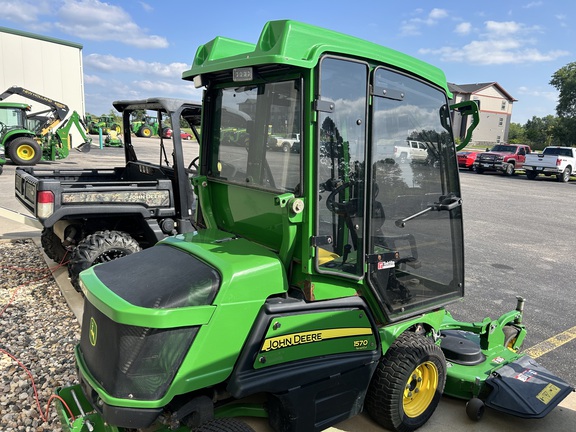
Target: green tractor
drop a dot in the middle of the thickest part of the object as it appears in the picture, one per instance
(26, 142)
(148, 127)
(104, 124)
(315, 284)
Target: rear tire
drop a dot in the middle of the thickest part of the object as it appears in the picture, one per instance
(100, 247)
(408, 384)
(224, 425)
(24, 151)
(52, 245)
(564, 176)
(145, 132)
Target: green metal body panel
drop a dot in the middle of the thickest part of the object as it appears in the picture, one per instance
(467, 381)
(297, 337)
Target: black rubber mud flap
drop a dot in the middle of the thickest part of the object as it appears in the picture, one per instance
(525, 389)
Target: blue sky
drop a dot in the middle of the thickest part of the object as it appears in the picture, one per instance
(137, 49)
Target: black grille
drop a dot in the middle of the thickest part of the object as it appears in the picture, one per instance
(132, 362)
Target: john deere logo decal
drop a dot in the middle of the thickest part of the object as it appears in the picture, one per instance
(93, 332)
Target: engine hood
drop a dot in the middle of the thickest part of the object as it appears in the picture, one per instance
(182, 279)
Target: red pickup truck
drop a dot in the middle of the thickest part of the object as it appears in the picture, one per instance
(506, 158)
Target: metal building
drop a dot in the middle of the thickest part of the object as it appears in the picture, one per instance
(47, 66)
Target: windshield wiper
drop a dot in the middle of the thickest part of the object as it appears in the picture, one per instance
(447, 202)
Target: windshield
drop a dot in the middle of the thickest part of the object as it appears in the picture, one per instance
(415, 246)
(504, 148)
(256, 132)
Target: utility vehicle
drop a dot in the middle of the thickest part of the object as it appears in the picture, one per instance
(92, 215)
(315, 284)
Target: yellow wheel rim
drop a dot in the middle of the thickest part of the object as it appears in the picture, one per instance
(146, 133)
(420, 389)
(26, 152)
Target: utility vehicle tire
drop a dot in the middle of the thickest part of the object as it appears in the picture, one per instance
(145, 132)
(564, 176)
(224, 425)
(475, 409)
(408, 384)
(100, 247)
(52, 245)
(509, 171)
(24, 151)
(531, 175)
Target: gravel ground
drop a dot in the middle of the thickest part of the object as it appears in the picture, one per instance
(39, 330)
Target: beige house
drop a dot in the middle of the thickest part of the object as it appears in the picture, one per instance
(495, 106)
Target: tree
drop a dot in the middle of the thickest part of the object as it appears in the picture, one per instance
(538, 131)
(564, 80)
(516, 134)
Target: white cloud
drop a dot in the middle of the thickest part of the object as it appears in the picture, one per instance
(94, 79)
(99, 21)
(533, 5)
(23, 11)
(549, 95)
(413, 26)
(505, 42)
(463, 28)
(110, 63)
(86, 19)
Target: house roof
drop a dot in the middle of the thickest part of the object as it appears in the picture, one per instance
(475, 88)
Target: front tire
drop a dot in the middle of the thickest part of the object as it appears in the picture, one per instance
(100, 247)
(509, 171)
(24, 151)
(408, 384)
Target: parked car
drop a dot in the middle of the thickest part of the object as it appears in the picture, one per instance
(506, 158)
(183, 134)
(466, 159)
(558, 161)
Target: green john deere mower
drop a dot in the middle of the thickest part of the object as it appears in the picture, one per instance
(315, 284)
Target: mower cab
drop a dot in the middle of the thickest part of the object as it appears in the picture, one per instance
(316, 281)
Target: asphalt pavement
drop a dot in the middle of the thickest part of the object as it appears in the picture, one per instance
(491, 250)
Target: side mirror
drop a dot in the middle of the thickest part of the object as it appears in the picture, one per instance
(467, 108)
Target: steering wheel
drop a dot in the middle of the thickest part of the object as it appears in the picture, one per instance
(194, 164)
(348, 208)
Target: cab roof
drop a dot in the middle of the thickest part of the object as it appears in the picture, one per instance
(297, 44)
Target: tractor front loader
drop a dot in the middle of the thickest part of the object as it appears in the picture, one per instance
(316, 283)
(29, 137)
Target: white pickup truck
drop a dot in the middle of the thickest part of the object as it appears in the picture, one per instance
(558, 161)
(286, 143)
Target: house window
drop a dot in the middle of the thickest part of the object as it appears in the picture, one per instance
(500, 121)
(503, 105)
(498, 139)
